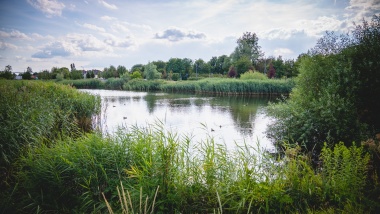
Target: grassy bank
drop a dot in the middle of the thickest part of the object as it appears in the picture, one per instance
(36, 112)
(215, 86)
(149, 168)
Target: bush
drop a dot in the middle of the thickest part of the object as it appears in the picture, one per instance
(114, 83)
(253, 75)
(34, 113)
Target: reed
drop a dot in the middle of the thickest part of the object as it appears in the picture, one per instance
(85, 83)
(117, 173)
(34, 113)
(231, 86)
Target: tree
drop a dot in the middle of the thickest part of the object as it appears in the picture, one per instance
(150, 71)
(29, 69)
(247, 45)
(337, 91)
(121, 70)
(136, 75)
(8, 68)
(76, 74)
(72, 67)
(271, 71)
(7, 73)
(232, 72)
(201, 67)
(44, 75)
(242, 65)
(26, 75)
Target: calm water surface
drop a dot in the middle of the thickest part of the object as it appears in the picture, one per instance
(229, 120)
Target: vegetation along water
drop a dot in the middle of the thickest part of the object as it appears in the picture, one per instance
(327, 133)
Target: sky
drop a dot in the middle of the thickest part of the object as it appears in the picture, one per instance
(94, 34)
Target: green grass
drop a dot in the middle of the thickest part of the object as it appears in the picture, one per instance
(37, 112)
(84, 83)
(216, 86)
(150, 167)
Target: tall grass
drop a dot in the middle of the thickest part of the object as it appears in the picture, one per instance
(144, 85)
(178, 175)
(232, 86)
(84, 83)
(35, 112)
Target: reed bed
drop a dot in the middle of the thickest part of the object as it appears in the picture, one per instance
(85, 83)
(232, 86)
(148, 169)
(36, 112)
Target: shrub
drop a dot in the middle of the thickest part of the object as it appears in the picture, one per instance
(253, 75)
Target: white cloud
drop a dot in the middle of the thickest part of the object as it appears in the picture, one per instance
(49, 7)
(174, 34)
(108, 18)
(72, 45)
(117, 27)
(37, 36)
(282, 52)
(5, 45)
(107, 5)
(94, 27)
(359, 9)
(14, 34)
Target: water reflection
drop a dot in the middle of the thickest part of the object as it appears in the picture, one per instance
(228, 119)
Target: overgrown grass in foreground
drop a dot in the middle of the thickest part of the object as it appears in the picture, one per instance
(216, 86)
(174, 175)
(36, 112)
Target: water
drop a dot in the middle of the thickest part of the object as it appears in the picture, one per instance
(230, 120)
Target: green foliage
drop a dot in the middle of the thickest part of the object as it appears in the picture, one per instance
(334, 99)
(231, 86)
(6, 75)
(115, 83)
(175, 76)
(35, 112)
(344, 173)
(150, 72)
(253, 75)
(136, 75)
(71, 175)
(243, 64)
(143, 85)
(76, 75)
(85, 83)
(182, 176)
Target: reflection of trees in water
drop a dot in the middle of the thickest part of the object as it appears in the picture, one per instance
(243, 109)
(151, 102)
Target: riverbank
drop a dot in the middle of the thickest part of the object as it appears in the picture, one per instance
(153, 168)
(225, 86)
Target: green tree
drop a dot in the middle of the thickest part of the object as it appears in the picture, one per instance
(150, 71)
(201, 67)
(247, 46)
(7, 73)
(336, 93)
(136, 75)
(242, 65)
(44, 75)
(26, 75)
(121, 70)
(76, 74)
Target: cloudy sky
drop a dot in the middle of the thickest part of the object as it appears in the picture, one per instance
(99, 33)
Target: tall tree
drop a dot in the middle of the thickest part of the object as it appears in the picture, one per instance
(247, 45)
(150, 71)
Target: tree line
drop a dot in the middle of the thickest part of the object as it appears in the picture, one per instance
(247, 56)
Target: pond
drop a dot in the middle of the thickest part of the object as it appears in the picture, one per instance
(229, 120)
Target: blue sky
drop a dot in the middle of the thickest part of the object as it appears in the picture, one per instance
(99, 33)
